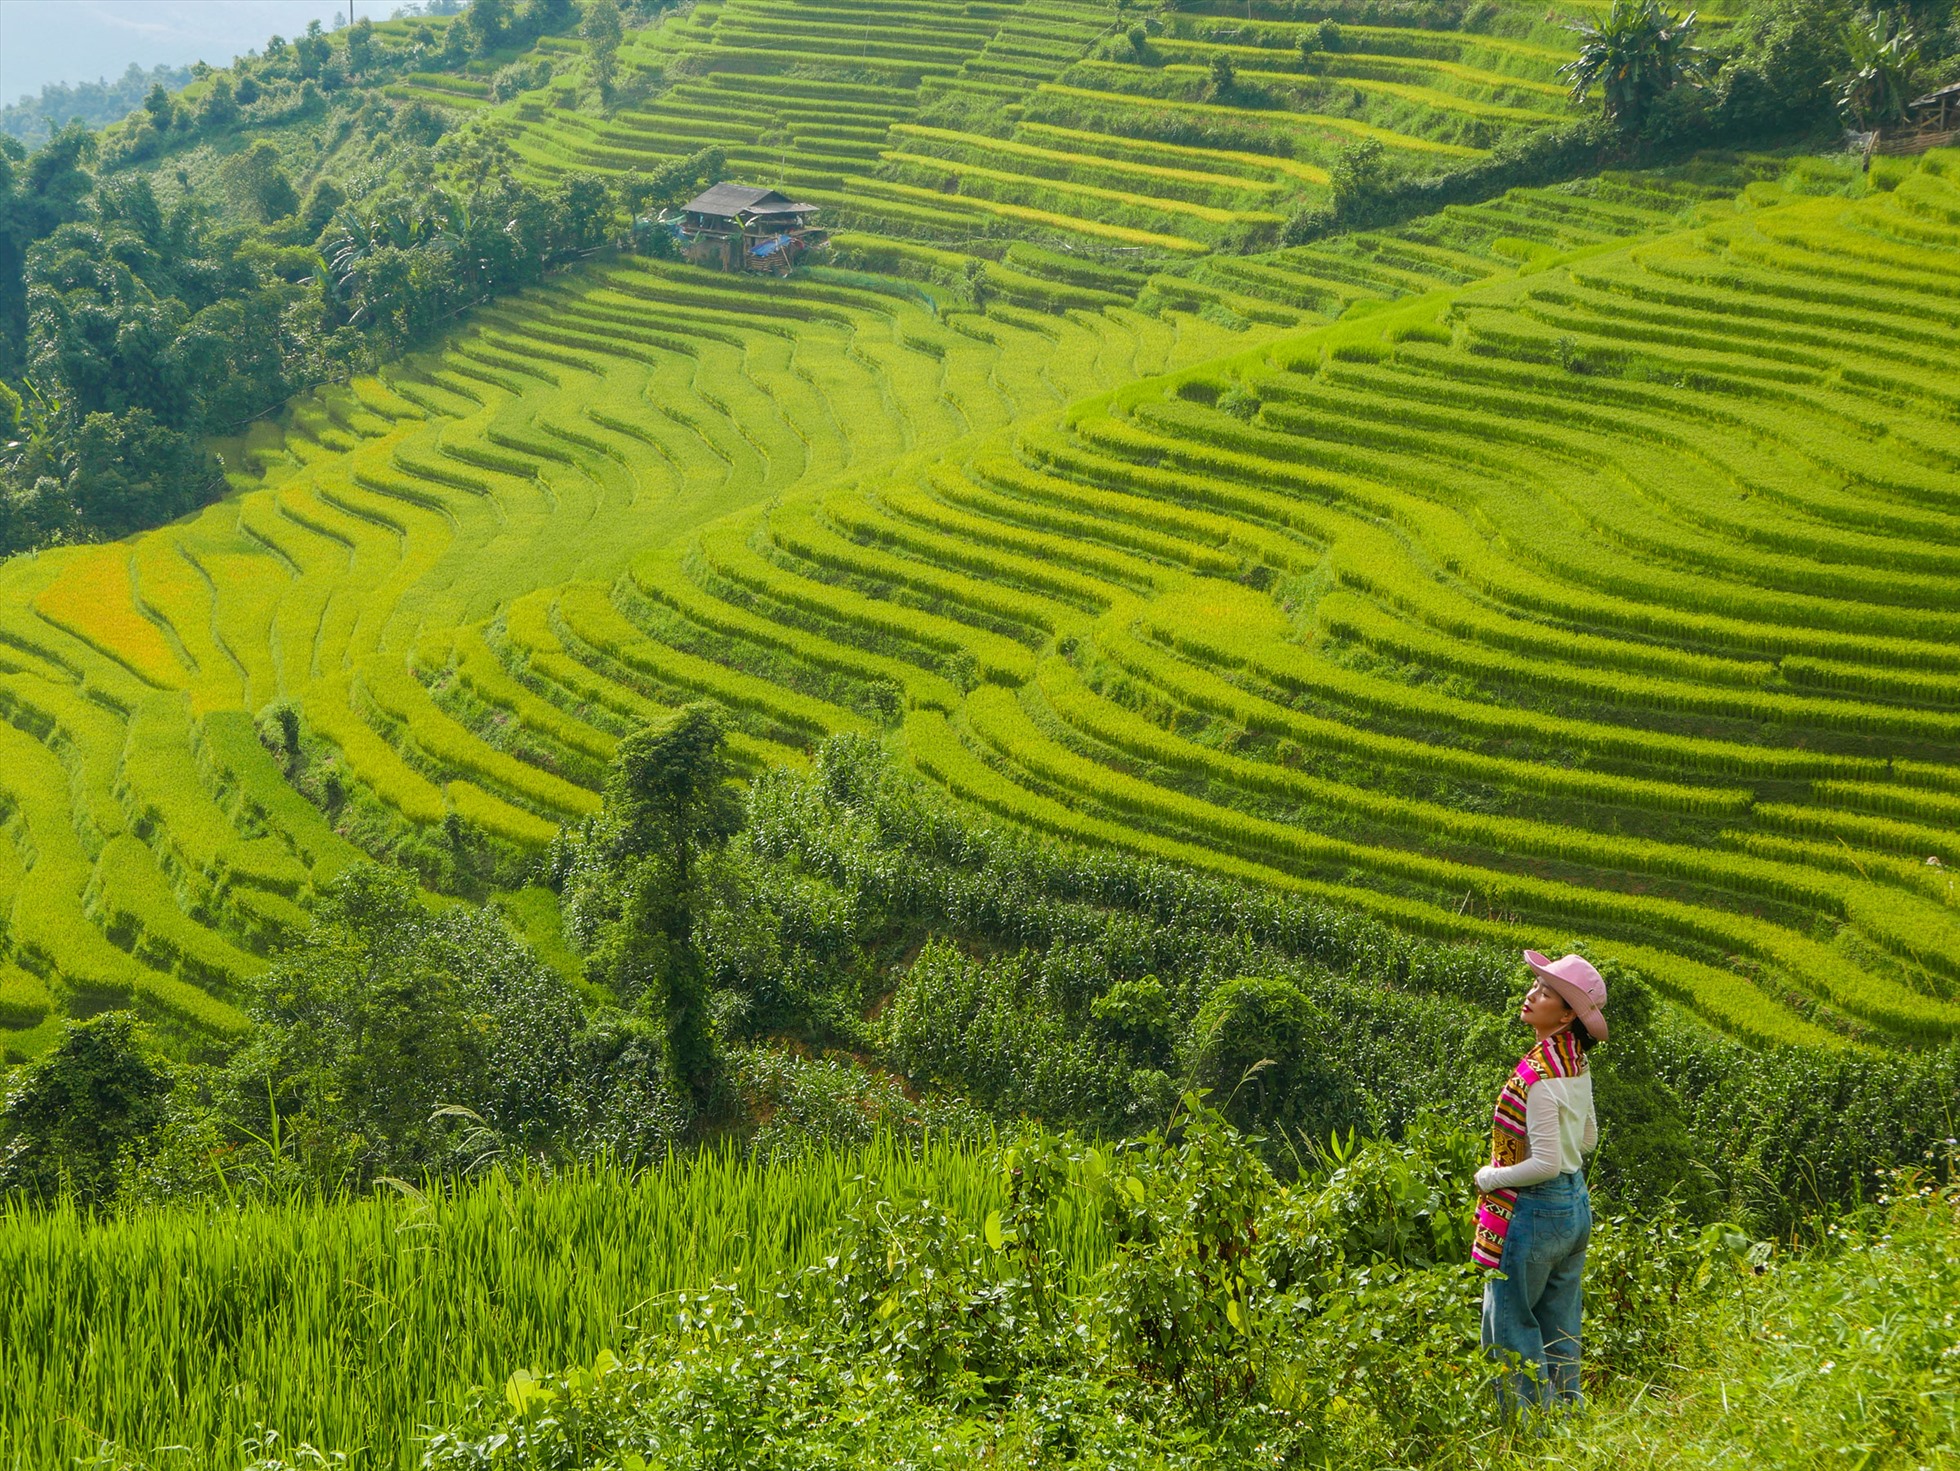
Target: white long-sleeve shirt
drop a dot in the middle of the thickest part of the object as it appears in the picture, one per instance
(1560, 1129)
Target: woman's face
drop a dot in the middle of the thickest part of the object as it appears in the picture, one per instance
(1544, 1009)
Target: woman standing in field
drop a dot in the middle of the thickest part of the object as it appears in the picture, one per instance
(1533, 1215)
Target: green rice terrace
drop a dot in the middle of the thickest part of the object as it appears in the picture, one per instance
(1573, 563)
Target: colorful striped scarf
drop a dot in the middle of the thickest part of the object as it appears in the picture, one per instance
(1558, 1056)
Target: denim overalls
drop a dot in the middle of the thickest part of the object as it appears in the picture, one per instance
(1531, 1311)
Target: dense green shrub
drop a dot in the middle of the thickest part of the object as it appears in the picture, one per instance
(73, 1117)
(1259, 1047)
(986, 1029)
(807, 1105)
(1225, 1319)
(394, 1040)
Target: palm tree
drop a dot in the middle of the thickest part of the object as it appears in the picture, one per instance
(1883, 57)
(1634, 56)
(356, 240)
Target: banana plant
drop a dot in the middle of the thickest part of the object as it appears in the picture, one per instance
(1884, 55)
(1633, 57)
(355, 240)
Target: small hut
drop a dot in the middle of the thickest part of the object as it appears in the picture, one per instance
(1930, 121)
(1939, 110)
(738, 227)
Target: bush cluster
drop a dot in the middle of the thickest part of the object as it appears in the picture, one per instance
(1237, 1320)
(853, 911)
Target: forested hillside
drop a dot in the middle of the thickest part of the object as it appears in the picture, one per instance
(32, 119)
(1257, 514)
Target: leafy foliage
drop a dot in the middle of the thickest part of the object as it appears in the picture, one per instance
(1778, 79)
(1259, 1048)
(75, 1114)
(137, 324)
(396, 1041)
(1371, 1363)
(1884, 54)
(400, 267)
(633, 880)
(1633, 57)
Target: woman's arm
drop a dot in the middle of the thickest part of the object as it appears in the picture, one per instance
(1541, 1131)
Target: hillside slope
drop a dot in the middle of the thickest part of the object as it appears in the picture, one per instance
(1464, 611)
(1614, 598)
(1573, 564)
(1055, 149)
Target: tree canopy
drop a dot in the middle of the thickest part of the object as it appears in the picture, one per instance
(1635, 56)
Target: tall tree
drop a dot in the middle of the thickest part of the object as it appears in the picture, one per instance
(38, 194)
(603, 31)
(312, 49)
(160, 107)
(1633, 58)
(1884, 56)
(489, 23)
(360, 46)
(220, 107)
(634, 886)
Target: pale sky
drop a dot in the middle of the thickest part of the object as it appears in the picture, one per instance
(72, 41)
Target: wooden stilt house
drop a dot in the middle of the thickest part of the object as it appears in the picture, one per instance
(1931, 121)
(738, 227)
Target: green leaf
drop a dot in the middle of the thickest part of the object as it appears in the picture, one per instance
(522, 1389)
(996, 1238)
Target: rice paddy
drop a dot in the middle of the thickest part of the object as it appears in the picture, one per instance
(1575, 565)
(359, 1325)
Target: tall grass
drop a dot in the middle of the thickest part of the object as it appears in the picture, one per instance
(174, 1332)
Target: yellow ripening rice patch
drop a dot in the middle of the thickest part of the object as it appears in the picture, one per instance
(174, 592)
(962, 170)
(1292, 168)
(1274, 116)
(1074, 223)
(93, 599)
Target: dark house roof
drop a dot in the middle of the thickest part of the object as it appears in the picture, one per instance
(731, 201)
(1952, 91)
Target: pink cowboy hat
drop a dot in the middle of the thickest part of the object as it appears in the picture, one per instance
(1583, 988)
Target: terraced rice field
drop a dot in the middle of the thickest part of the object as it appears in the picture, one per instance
(1005, 134)
(1575, 566)
(382, 567)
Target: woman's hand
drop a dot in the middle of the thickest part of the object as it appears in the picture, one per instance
(1484, 1175)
